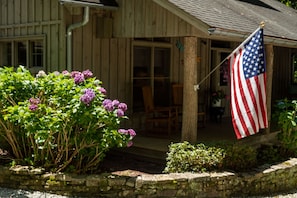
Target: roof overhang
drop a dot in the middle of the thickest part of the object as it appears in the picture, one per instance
(239, 36)
(201, 26)
(104, 4)
(222, 33)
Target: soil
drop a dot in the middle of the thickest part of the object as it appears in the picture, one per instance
(114, 162)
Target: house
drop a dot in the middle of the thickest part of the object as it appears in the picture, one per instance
(131, 43)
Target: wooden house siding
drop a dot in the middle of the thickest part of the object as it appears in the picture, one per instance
(111, 57)
(282, 74)
(108, 58)
(36, 18)
(143, 18)
(105, 44)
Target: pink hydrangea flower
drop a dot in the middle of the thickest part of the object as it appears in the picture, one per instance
(129, 144)
(87, 73)
(102, 90)
(88, 96)
(123, 106)
(120, 113)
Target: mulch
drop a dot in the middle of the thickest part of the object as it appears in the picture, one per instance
(114, 162)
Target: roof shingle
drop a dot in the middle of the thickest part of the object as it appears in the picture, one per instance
(243, 15)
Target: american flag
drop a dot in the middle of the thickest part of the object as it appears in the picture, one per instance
(248, 86)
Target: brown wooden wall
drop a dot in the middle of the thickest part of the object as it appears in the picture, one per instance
(282, 72)
(31, 18)
(111, 58)
(105, 44)
(144, 18)
(109, 55)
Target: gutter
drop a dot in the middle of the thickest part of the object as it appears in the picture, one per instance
(69, 36)
(89, 4)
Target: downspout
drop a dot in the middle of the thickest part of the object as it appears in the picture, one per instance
(69, 36)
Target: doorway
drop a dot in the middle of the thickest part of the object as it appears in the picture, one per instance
(220, 80)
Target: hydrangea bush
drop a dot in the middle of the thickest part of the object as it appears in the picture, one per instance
(61, 121)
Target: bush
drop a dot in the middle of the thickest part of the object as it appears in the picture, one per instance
(269, 154)
(185, 157)
(61, 121)
(240, 157)
(286, 115)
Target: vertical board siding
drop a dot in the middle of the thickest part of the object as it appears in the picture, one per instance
(108, 58)
(114, 68)
(143, 18)
(77, 44)
(105, 65)
(281, 73)
(3, 13)
(87, 46)
(96, 50)
(54, 40)
(29, 18)
(139, 25)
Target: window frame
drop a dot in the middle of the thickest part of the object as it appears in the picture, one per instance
(151, 77)
(293, 65)
(29, 51)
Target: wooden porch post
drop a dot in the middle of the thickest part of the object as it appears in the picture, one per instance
(190, 97)
(269, 72)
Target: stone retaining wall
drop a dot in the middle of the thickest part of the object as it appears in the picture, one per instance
(264, 180)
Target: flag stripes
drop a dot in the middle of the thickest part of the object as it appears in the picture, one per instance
(248, 86)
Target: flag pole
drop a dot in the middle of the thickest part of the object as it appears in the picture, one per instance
(197, 86)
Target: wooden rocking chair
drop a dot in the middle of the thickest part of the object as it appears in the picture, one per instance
(158, 115)
(177, 92)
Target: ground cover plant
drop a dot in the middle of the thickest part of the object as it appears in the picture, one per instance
(59, 121)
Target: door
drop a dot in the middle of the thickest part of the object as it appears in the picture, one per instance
(220, 80)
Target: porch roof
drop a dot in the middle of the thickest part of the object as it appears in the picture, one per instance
(238, 18)
(93, 3)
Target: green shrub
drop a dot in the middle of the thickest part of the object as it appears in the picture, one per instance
(269, 154)
(61, 121)
(240, 157)
(286, 115)
(185, 157)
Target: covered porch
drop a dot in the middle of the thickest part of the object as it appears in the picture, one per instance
(154, 145)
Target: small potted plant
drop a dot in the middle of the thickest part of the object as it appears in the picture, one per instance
(216, 98)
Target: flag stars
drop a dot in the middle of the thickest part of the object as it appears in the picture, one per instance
(252, 61)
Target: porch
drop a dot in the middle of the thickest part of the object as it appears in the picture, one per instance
(149, 151)
(154, 145)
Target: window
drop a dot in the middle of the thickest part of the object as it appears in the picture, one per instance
(6, 53)
(37, 54)
(29, 53)
(224, 70)
(294, 66)
(151, 66)
(21, 53)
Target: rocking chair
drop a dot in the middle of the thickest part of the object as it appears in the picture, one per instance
(177, 92)
(155, 116)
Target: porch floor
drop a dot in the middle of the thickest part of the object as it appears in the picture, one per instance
(213, 131)
(149, 150)
(155, 144)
